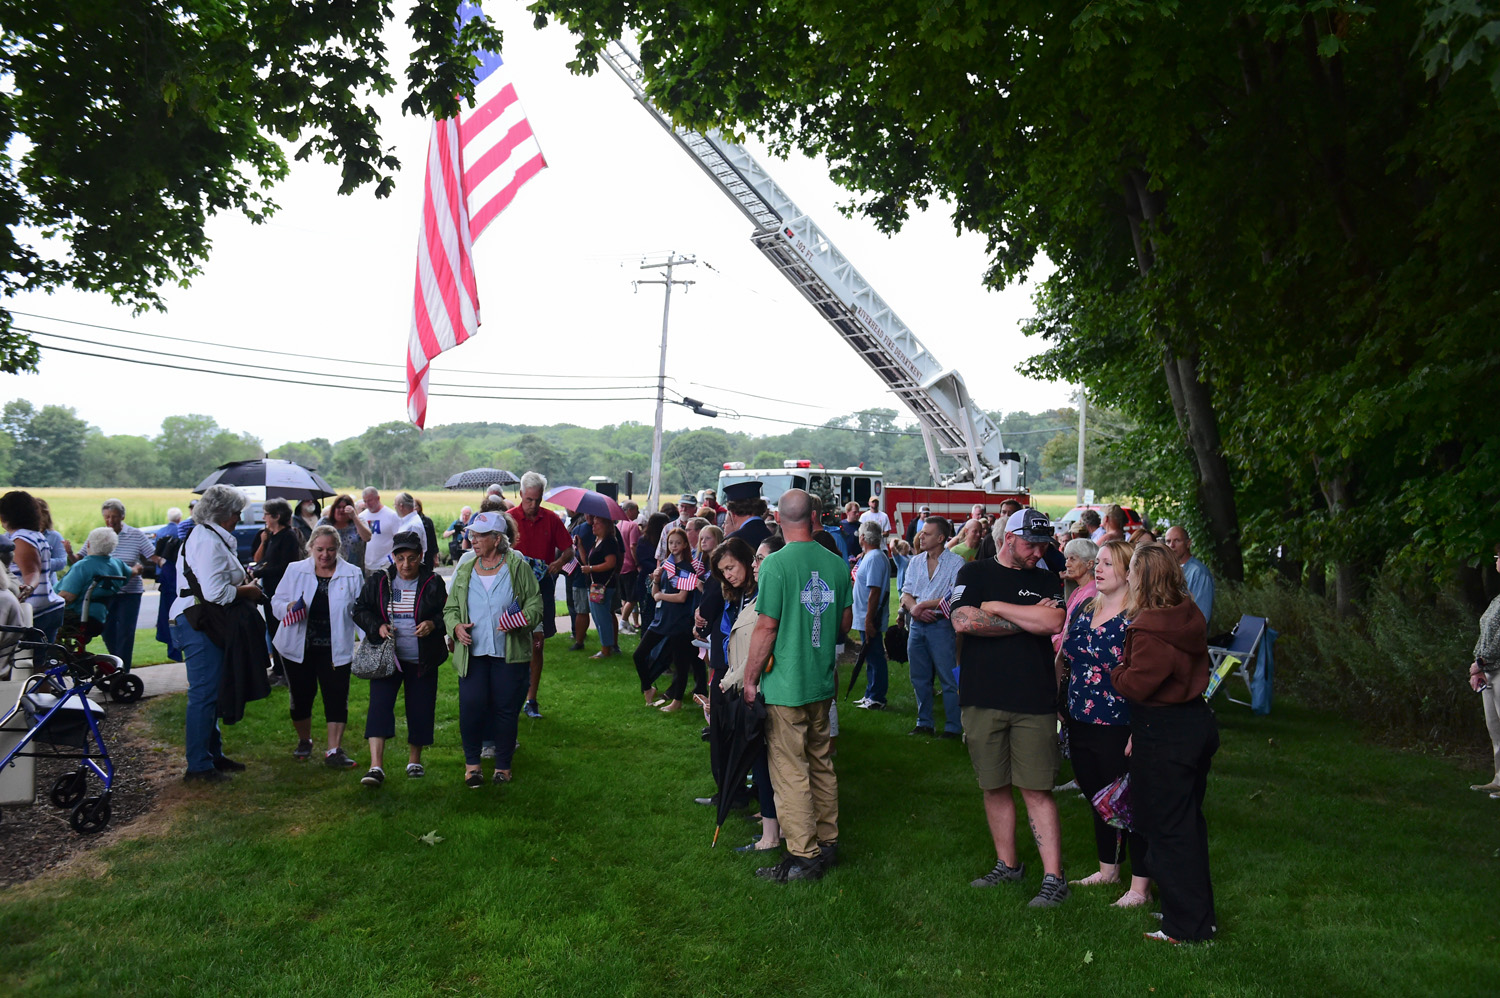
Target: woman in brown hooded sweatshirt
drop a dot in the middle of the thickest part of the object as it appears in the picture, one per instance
(1163, 674)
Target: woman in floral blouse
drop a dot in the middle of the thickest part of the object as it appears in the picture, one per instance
(1099, 718)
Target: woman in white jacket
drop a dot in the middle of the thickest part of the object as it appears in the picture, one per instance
(315, 603)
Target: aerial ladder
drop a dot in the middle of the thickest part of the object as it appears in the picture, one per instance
(951, 423)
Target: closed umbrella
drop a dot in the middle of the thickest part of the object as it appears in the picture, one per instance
(742, 730)
(281, 479)
(480, 478)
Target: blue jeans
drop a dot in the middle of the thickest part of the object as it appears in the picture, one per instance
(931, 650)
(876, 671)
(604, 617)
(489, 706)
(119, 626)
(205, 664)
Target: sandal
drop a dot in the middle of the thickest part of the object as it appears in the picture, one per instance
(1098, 877)
(414, 770)
(503, 776)
(672, 707)
(1132, 899)
(474, 780)
(650, 695)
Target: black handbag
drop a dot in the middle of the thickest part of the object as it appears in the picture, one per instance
(896, 637)
(209, 619)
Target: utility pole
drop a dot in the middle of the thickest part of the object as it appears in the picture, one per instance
(1083, 411)
(673, 260)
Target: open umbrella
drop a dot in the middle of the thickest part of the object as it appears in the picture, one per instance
(480, 478)
(281, 479)
(576, 500)
(741, 729)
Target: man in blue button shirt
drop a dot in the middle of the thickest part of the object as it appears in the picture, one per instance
(1200, 582)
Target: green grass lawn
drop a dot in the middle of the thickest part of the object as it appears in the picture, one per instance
(1340, 868)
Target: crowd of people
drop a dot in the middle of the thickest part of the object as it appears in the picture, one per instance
(1016, 632)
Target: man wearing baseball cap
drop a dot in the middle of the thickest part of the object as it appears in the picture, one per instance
(1007, 608)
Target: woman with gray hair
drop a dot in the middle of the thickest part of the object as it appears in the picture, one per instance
(98, 569)
(1078, 580)
(211, 573)
(492, 607)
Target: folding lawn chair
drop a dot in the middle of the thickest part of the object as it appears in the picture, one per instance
(1238, 657)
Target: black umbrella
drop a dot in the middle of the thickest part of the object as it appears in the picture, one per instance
(864, 651)
(742, 733)
(480, 478)
(281, 479)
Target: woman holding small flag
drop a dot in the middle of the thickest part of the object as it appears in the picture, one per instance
(672, 586)
(603, 573)
(404, 603)
(315, 604)
(494, 604)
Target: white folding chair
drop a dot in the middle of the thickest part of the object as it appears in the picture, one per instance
(1238, 657)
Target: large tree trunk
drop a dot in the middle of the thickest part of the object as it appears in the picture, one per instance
(1199, 424)
(1350, 575)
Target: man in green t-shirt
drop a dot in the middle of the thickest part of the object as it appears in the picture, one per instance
(805, 601)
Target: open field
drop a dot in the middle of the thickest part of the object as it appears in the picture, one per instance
(1340, 869)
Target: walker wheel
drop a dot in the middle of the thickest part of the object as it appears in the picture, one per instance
(127, 688)
(91, 816)
(69, 789)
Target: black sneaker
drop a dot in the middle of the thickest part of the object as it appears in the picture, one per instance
(533, 711)
(226, 765)
(951, 735)
(303, 751)
(336, 759)
(792, 868)
(828, 853)
(921, 729)
(1001, 874)
(374, 778)
(1053, 893)
(205, 776)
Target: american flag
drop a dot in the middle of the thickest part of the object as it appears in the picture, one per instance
(945, 605)
(572, 564)
(687, 582)
(476, 162)
(295, 614)
(513, 619)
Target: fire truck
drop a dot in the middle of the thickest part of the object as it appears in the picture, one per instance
(952, 426)
(835, 486)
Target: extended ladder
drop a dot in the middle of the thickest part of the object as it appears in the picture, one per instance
(950, 421)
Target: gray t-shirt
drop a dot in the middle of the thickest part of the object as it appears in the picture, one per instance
(404, 618)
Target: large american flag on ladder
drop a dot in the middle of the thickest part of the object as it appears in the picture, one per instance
(476, 162)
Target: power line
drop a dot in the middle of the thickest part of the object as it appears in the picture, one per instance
(331, 374)
(304, 356)
(315, 384)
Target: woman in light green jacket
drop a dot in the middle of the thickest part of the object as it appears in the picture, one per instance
(493, 604)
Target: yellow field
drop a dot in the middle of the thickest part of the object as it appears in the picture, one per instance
(76, 511)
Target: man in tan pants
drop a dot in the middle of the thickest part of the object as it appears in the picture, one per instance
(805, 602)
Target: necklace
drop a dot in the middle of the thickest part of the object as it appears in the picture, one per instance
(491, 568)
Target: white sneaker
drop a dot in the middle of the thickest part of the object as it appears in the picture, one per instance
(862, 702)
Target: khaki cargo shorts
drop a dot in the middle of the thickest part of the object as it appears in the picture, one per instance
(1010, 749)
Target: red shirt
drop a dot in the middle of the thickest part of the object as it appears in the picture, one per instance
(544, 537)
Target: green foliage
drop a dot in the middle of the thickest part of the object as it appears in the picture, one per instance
(46, 446)
(125, 126)
(1396, 672)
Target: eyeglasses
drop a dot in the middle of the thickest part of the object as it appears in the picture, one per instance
(759, 558)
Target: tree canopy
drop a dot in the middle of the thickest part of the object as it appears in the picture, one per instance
(1272, 224)
(125, 125)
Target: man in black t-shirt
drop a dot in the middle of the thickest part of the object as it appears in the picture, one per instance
(1007, 608)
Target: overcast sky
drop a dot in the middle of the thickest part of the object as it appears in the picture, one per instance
(333, 276)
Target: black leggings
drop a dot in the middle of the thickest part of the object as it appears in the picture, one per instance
(1099, 759)
(315, 671)
(680, 655)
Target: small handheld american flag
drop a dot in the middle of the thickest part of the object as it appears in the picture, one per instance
(699, 569)
(945, 605)
(295, 614)
(513, 619)
(572, 564)
(687, 582)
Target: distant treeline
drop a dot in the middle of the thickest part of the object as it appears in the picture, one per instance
(52, 447)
